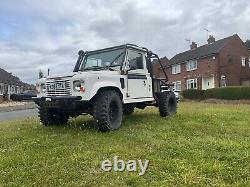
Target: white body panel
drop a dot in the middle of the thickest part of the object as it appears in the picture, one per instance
(95, 80)
(137, 85)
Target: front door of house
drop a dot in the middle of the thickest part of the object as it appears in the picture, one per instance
(207, 83)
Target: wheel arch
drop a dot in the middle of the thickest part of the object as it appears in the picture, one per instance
(108, 88)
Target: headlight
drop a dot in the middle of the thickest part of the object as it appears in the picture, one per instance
(40, 88)
(43, 88)
(78, 86)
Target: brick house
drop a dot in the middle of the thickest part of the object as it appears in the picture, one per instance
(158, 73)
(10, 84)
(221, 63)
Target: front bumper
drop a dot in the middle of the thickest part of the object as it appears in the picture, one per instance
(58, 102)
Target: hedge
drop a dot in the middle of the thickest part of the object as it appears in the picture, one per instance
(193, 94)
(227, 93)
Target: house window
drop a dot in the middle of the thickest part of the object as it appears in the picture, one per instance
(192, 84)
(176, 69)
(1, 89)
(191, 65)
(223, 81)
(177, 86)
(12, 90)
(249, 62)
(243, 61)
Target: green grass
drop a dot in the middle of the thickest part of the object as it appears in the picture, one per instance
(203, 145)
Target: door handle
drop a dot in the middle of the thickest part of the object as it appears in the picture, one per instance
(144, 83)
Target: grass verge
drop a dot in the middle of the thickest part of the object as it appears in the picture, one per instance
(203, 145)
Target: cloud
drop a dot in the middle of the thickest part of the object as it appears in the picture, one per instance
(47, 34)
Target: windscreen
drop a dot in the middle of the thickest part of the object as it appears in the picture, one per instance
(103, 59)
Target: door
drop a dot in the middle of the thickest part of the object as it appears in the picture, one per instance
(207, 83)
(138, 76)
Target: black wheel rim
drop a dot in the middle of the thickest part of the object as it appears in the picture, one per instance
(113, 112)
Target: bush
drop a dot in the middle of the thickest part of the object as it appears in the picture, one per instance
(193, 94)
(228, 93)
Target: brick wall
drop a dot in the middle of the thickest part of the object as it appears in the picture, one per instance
(157, 67)
(230, 62)
(206, 67)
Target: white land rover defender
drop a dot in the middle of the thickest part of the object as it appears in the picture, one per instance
(106, 84)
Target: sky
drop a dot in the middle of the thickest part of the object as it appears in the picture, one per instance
(48, 34)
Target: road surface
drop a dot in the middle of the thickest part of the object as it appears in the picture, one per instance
(4, 116)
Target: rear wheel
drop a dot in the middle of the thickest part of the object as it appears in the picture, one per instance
(49, 117)
(107, 110)
(167, 104)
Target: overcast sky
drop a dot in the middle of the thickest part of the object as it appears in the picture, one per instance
(48, 34)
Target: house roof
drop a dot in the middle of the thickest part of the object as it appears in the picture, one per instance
(8, 78)
(202, 51)
(164, 60)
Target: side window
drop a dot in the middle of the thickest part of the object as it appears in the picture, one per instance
(135, 60)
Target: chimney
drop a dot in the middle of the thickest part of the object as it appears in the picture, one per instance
(193, 46)
(211, 39)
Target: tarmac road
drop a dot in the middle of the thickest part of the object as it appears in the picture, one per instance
(5, 116)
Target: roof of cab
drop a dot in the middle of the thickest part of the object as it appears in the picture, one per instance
(128, 45)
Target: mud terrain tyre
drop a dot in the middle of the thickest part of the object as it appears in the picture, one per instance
(50, 117)
(107, 110)
(128, 110)
(167, 104)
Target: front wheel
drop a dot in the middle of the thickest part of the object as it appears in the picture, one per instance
(107, 110)
(167, 103)
(49, 117)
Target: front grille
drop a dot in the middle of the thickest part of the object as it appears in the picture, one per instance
(57, 91)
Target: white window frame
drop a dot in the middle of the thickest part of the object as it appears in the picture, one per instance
(249, 62)
(175, 87)
(243, 61)
(1, 89)
(190, 63)
(223, 81)
(192, 81)
(176, 69)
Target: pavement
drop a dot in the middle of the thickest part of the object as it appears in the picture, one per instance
(5, 116)
(13, 106)
(12, 110)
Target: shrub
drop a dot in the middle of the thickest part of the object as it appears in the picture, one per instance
(228, 93)
(193, 94)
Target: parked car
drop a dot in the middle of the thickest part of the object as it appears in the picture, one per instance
(166, 89)
(25, 96)
(177, 95)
